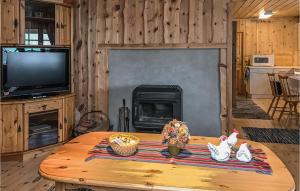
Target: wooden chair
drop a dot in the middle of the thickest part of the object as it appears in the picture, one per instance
(276, 92)
(92, 121)
(290, 99)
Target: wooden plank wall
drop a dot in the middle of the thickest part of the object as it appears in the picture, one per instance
(277, 36)
(154, 22)
(100, 25)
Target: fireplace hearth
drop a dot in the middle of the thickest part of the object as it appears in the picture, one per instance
(155, 105)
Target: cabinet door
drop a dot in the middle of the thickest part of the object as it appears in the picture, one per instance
(69, 120)
(63, 25)
(259, 84)
(60, 125)
(42, 107)
(10, 27)
(12, 128)
(57, 24)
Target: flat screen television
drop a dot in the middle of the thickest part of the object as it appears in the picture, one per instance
(34, 71)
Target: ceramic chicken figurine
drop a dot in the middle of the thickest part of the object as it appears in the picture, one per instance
(232, 139)
(221, 152)
(244, 154)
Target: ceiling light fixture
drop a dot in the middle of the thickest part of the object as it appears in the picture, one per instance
(265, 14)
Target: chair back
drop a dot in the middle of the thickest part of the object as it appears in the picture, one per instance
(286, 91)
(275, 85)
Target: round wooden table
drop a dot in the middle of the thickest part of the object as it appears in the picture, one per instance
(68, 168)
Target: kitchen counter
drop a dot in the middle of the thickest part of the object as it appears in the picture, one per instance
(257, 83)
(68, 168)
(274, 67)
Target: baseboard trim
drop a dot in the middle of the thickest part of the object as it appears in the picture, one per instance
(17, 156)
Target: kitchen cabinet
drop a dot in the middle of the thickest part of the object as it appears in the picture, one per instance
(33, 22)
(63, 25)
(10, 21)
(16, 117)
(39, 23)
(11, 124)
(42, 107)
(47, 24)
(258, 85)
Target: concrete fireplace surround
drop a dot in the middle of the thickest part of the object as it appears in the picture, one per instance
(194, 70)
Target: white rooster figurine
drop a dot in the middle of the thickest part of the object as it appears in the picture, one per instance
(232, 139)
(244, 154)
(221, 152)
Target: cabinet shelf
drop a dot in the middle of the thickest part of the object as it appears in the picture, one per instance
(40, 19)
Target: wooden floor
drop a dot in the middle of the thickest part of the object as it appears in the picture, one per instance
(23, 176)
(288, 153)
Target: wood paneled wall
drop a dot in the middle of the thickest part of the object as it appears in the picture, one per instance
(126, 22)
(277, 36)
(101, 25)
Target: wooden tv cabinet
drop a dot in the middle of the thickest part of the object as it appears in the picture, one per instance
(14, 120)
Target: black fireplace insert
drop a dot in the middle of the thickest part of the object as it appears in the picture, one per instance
(155, 105)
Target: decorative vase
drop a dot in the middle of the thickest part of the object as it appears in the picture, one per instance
(174, 150)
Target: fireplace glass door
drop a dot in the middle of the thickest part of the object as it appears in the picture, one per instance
(43, 129)
(154, 106)
(155, 112)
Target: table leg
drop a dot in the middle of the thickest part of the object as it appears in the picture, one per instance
(60, 186)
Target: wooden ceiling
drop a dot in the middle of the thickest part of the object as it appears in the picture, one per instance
(244, 9)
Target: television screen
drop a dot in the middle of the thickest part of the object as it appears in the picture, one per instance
(34, 71)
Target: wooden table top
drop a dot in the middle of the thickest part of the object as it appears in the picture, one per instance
(68, 165)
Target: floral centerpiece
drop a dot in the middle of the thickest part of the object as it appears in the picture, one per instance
(176, 135)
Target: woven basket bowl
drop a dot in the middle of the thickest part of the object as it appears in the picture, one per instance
(124, 150)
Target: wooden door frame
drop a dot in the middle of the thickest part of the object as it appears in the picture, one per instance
(235, 78)
(242, 56)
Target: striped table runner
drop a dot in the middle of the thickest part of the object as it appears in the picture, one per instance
(193, 155)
